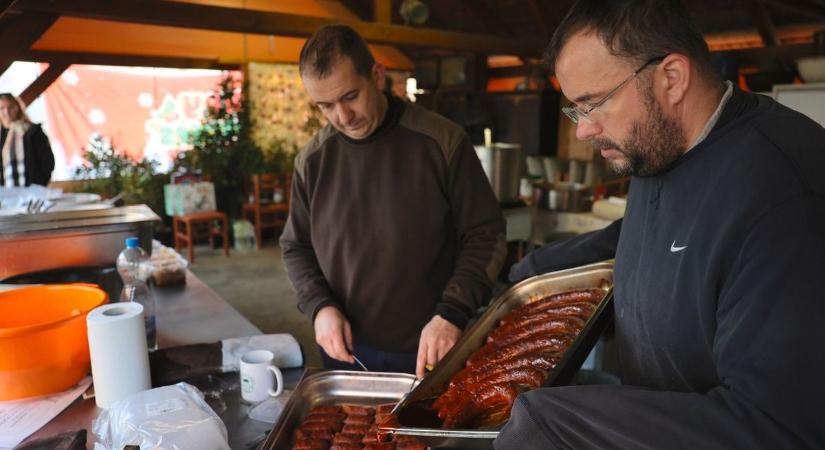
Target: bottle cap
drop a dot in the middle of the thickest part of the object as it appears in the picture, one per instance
(132, 242)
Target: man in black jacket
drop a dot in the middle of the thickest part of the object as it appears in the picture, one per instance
(718, 308)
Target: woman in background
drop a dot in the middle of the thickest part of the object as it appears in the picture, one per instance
(26, 157)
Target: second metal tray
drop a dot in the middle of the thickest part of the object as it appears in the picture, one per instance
(414, 421)
(331, 388)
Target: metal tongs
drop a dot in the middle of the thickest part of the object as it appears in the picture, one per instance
(359, 362)
(34, 206)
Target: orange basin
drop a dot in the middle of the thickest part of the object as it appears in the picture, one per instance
(43, 343)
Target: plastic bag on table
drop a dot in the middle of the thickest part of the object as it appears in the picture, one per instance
(169, 418)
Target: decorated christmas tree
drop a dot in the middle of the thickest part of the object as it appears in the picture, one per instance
(222, 148)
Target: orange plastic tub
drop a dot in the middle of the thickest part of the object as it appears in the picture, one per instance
(43, 343)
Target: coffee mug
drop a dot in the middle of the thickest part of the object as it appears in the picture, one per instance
(257, 384)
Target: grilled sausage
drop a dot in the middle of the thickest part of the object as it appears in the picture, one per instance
(331, 425)
(492, 348)
(527, 346)
(379, 446)
(305, 435)
(472, 375)
(473, 406)
(526, 377)
(311, 444)
(347, 438)
(358, 420)
(326, 409)
(346, 447)
(590, 296)
(511, 331)
(358, 410)
(323, 417)
(356, 428)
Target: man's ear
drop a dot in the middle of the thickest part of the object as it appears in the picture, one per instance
(676, 70)
(379, 73)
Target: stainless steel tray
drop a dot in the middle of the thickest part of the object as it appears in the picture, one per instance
(335, 387)
(416, 423)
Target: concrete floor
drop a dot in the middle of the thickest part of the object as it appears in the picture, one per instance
(256, 285)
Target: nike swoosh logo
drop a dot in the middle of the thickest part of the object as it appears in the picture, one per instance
(675, 249)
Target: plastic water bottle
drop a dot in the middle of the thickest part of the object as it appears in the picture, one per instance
(134, 268)
(244, 234)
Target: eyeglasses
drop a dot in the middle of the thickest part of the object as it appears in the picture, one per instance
(575, 113)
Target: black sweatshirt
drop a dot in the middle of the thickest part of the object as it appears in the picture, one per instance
(394, 228)
(719, 302)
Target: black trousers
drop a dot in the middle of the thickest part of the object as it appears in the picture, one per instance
(375, 360)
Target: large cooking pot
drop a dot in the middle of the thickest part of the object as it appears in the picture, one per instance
(503, 164)
(43, 343)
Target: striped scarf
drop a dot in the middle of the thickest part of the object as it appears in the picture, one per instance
(12, 156)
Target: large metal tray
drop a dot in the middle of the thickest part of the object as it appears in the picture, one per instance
(331, 388)
(414, 420)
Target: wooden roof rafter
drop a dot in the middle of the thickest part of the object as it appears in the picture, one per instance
(19, 32)
(42, 82)
(217, 18)
(111, 59)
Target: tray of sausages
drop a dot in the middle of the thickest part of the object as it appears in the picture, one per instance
(536, 334)
(341, 410)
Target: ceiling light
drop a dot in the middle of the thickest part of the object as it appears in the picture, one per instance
(414, 12)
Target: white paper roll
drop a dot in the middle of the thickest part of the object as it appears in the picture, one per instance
(117, 346)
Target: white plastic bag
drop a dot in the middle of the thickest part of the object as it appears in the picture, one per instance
(165, 418)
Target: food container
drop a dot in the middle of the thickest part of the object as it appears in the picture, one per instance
(413, 414)
(332, 388)
(43, 343)
(503, 164)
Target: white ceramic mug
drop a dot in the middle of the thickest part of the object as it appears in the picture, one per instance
(257, 383)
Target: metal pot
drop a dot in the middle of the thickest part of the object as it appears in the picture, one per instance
(503, 164)
(572, 197)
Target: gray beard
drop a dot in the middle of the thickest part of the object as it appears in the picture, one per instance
(654, 144)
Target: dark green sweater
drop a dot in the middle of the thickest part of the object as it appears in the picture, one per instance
(394, 228)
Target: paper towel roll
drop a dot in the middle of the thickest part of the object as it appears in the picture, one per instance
(117, 346)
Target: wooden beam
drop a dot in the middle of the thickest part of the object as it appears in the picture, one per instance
(763, 58)
(797, 8)
(509, 71)
(766, 57)
(108, 59)
(762, 19)
(186, 15)
(490, 21)
(20, 33)
(43, 82)
(538, 16)
(382, 11)
(4, 6)
(359, 8)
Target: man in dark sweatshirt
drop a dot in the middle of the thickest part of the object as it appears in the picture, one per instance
(394, 236)
(719, 309)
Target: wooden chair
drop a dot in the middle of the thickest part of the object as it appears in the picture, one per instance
(189, 227)
(261, 209)
(186, 230)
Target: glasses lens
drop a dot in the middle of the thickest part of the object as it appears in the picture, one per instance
(571, 114)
